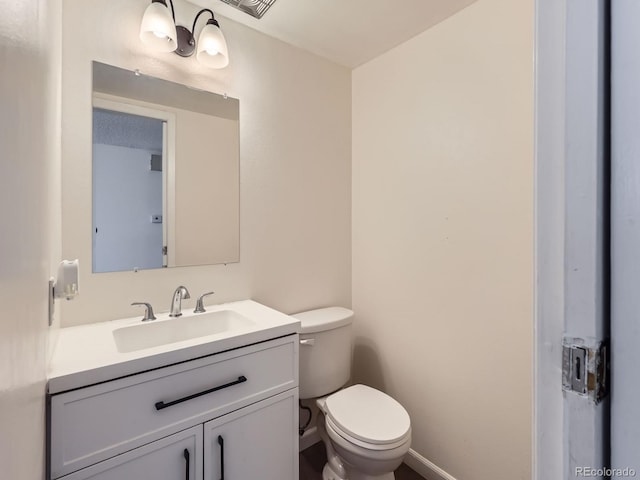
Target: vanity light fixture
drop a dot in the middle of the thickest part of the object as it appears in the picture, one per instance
(160, 32)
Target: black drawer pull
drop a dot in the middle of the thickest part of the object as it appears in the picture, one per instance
(187, 458)
(221, 443)
(161, 405)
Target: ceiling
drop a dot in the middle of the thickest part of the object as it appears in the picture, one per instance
(348, 32)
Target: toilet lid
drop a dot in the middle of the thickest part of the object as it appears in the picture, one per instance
(368, 415)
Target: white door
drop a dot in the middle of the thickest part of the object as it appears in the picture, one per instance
(256, 442)
(625, 312)
(586, 266)
(176, 457)
(572, 236)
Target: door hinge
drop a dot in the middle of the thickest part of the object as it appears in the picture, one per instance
(164, 250)
(585, 368)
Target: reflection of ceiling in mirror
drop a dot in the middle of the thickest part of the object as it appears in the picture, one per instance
(126, 130)
(123, 83)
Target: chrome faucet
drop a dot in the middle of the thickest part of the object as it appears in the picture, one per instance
(176, 303)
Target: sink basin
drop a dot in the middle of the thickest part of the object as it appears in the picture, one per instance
(163, 332)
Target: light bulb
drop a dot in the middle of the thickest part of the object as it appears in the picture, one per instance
(212, 47)
(158, 29)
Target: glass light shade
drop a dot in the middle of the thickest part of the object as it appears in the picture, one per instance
(212, 47)
(158, 29)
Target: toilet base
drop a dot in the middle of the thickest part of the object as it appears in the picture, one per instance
(341, 461)
(329, 474)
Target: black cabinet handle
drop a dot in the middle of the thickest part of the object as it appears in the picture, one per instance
(186, 457)
(221, 443)
(161, 405)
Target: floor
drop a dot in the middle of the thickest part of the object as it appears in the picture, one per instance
(312, 461)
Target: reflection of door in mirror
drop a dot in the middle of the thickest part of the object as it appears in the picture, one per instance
(129, 214)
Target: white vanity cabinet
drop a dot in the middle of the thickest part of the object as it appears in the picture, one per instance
(157, 423)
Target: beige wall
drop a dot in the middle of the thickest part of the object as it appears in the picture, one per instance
(442, 236)
(207, 189)
(30, 223)
(295, 172)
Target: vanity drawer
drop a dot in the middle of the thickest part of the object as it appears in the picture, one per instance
(92, 424)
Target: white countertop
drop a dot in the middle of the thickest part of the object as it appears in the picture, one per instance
(87, 354)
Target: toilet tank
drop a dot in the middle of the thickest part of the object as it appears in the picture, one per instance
(325, 350)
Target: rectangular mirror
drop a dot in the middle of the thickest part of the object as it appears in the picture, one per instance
(166, 173)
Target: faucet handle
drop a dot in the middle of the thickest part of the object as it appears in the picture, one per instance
(199, 304)
(148, 311)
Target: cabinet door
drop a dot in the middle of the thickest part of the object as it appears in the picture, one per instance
(176, 457)
(256, 442)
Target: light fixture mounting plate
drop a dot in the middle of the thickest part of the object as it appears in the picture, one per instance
(186, 42)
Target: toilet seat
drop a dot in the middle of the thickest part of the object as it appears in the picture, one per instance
(368, 418)
(335, 433)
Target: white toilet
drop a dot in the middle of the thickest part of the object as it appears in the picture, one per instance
(366, 432)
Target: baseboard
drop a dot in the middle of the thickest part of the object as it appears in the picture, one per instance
(425, 468)
(310, 437)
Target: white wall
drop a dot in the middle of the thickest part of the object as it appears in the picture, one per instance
(443, 236)
(29, 223)
(295, 172)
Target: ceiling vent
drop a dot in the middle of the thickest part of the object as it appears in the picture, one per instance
(255, 8)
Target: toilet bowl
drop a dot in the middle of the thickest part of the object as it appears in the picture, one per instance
(366, 432)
